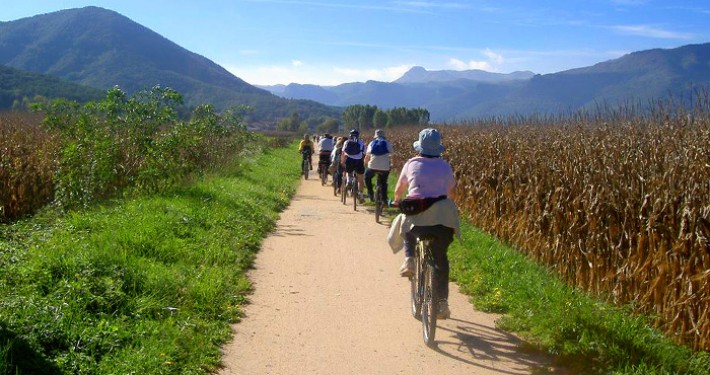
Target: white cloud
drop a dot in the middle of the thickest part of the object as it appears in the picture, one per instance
(317, 75)
(651, 32)
(396, 71)
(296, 63)
(386, 74)
(492, 62)
(472, 64)
(496, 58)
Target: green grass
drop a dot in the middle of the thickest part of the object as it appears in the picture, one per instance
(586, 335)
(146, 286)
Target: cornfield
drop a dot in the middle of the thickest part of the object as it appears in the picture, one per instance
(619, 208)
(26, 165)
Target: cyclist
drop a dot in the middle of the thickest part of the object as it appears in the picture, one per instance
(353, 159)
(307, 145)
(427, 176)
(336, 169)
(378, 163)
(325, 149)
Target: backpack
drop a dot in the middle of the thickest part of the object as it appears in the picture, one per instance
(379, 147)
(352, 147)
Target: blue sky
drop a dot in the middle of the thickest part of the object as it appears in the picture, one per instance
(332, 42)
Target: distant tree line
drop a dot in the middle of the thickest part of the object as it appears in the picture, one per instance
(355, 116)
(369, 117)
(321, 124)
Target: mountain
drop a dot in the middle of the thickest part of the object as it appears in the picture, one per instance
(418, 74)
(100, 48)
(15, 85)
(638, 77)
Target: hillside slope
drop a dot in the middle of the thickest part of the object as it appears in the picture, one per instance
(101, 48)
(15, 85)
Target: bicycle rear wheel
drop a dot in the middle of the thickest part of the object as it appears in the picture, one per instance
(323, 175)
(416, 289)
(355, 195)
(430, 305)
(378, 204)
(305, 167)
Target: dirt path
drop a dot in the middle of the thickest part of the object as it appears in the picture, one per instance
(329, 300)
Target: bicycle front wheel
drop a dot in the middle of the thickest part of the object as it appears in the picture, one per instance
(430, 306)
(343, 191)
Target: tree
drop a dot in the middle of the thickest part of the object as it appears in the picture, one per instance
(380, 119)
(329, 125)
(289, 124)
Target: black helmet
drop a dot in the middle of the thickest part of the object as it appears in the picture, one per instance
(354, 132)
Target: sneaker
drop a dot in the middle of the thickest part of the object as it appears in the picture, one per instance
(407, 268)
(444, 312)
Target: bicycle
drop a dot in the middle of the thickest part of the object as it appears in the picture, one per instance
(306, 163)
(323, 170)
(323, 165)
(350, 186)
(424, 296)
(379, 202)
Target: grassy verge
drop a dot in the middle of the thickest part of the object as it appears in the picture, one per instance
(145, 286)
(588, 336)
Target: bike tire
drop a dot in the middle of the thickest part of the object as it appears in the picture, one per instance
(355, 195)
(430, 306)
(344, 192)
(305, 167)
(416, 290)
(323, 176)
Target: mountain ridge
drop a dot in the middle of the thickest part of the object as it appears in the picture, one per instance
(640, 76)
(419, 74)
(101, 48)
